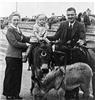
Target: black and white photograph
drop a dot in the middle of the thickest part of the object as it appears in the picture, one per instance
(47, 50)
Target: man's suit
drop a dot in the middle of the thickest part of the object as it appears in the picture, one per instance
(64, 35)
(78, 32)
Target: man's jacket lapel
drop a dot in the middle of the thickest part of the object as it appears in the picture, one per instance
(74, 29)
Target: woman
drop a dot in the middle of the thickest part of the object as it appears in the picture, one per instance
(16, 45)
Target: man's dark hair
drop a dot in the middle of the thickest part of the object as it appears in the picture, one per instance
(71, 8)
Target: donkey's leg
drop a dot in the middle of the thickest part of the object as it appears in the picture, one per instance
(86, 83)
(77, 93)
(72, 94)
(36, 97)
(93, 84)
(61, 94)
(67, 94)
(85, 87)
(32, 80)
(44, 96)
(52, 95)
(91, 88)
(32, 86)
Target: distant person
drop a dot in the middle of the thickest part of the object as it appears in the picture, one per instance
(86, 20)
(88, 11)
(51, 20)
(79, 18)
(63, 18)
(16, 45)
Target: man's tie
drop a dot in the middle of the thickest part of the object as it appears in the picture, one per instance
(70, 26)
(70, 31)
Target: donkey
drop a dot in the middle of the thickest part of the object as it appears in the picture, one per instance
(75, 75)
(41, 62)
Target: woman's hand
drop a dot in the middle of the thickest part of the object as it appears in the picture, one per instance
(24, 58)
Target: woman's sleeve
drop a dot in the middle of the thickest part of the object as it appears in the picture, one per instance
(25, 39)
(13, 41)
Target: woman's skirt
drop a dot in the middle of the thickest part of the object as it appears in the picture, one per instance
(13, 74)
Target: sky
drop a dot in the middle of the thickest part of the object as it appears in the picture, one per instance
(29, 9)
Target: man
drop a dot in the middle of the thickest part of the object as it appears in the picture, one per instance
(86, 19)
(70, 32)
(68, 35)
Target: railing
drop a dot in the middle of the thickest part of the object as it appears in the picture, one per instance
(28, 27)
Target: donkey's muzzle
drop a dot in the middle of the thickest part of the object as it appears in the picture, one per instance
(44, 68)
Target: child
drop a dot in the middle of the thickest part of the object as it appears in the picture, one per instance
(40, 32)
(40, 29)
